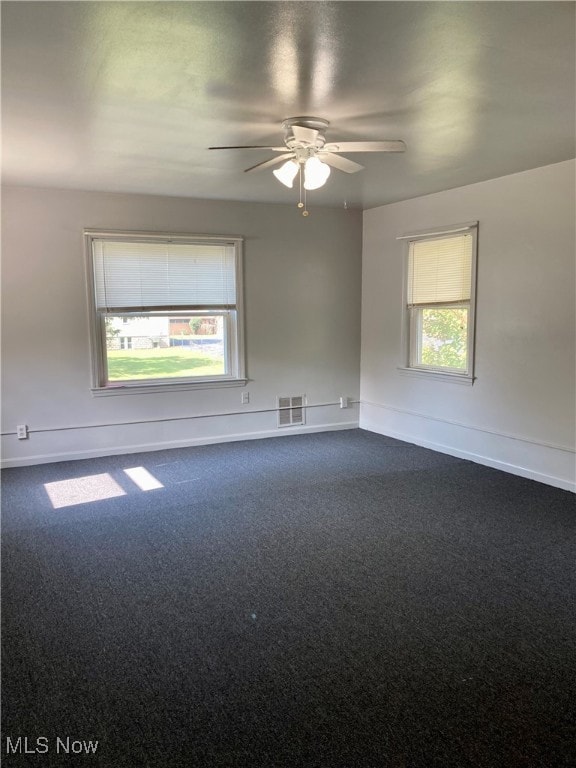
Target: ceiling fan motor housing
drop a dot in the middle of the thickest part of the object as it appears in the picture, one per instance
(311, 137)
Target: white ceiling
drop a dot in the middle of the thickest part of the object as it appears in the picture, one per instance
(127, 96)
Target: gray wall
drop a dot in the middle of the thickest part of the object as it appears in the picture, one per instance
(302, 286)
(302, 296)
(520, 413)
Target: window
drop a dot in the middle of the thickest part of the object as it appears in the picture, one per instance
(440, 293)
(166, 311)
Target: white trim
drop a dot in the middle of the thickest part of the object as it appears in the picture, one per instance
(455, 378)
(239, 319)
(438, 232)
(235, 321)
(545, 462)
(407, 325)
(512, 469)
(130, 235)
(165, 386)
(509, 435)
(187, 443)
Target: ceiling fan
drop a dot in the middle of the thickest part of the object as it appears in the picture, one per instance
(305, 152)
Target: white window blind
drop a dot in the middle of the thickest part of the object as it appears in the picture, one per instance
(440, 270)
(148, 276)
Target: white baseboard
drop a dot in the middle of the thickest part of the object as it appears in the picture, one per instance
(93, 453)
(545, 463)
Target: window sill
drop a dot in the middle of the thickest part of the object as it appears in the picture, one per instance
(454, 378)
(147, 389)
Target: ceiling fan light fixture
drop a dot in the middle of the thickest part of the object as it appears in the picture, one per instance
(315, 173)
(287, 172)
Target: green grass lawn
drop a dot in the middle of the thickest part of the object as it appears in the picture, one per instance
(125, 364)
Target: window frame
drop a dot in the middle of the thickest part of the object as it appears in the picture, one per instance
(411, 340)
(234, 320)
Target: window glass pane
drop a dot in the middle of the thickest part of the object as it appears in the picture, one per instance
(161, 347)
(443, 333)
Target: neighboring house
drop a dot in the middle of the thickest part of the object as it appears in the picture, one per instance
(138, 332)
(126, 332)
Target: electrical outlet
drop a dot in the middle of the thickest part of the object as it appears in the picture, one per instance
(245, 398)
(344, 402)
(21, 431)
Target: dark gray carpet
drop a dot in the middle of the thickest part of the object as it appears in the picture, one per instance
(336, 600)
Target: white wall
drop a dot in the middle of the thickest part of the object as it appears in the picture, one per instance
(520, 413)
(302, 290)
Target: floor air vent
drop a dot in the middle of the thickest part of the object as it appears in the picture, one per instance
(291, 410)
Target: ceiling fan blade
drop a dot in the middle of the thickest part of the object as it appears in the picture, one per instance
(366, 146)
(306, 135)
(254, 146)
(342, 163)
(268, 163)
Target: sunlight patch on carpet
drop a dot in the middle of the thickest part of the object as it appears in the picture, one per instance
(82, 490)
(143, 479)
